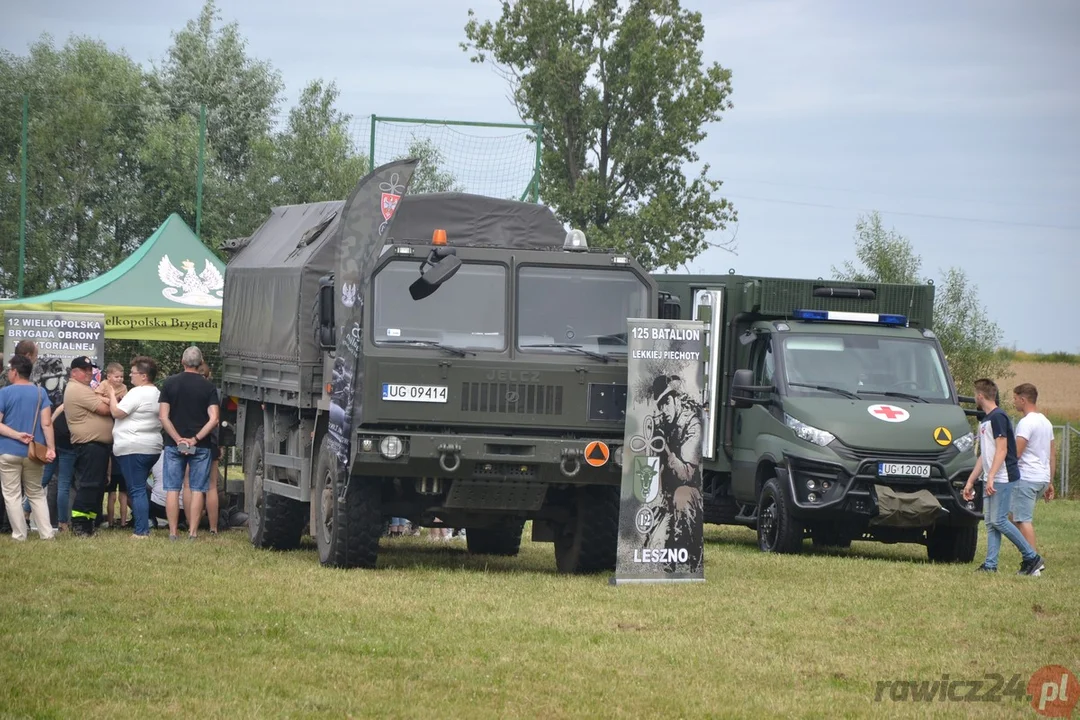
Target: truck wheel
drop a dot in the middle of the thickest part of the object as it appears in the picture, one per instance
(588, 543)
(274, 521)
(949, 544)
(777, 531)
(501, 539)
(347, 532)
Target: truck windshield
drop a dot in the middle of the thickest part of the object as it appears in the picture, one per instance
(468, 311)
(864, 365)
(567, 310)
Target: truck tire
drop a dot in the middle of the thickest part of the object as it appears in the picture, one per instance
(588, 543)
(777, 530)
(948, 544)
(274, 522)
(501, 539)
(347, 532)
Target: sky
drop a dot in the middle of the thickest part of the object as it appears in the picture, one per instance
(957, 121)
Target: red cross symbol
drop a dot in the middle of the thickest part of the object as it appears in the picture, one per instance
(889, 413)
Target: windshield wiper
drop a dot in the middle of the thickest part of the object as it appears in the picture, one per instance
(826, 388)
(893, 393)
(570, 346)
(429, 343)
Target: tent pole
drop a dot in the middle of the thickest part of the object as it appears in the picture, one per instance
(22, 191)
(371, 146)
(202, 167)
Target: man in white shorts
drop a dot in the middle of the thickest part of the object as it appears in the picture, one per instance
(1035, 455)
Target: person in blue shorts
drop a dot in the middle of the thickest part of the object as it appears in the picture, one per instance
(1036, 458)
(189, 414)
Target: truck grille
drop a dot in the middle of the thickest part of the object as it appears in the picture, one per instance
(607, 403)
(931, 456)
(512, 398)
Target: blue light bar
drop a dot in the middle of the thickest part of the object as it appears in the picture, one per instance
(840, 316)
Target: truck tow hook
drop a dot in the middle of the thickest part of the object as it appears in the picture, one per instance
(449, 458)
(571, 463)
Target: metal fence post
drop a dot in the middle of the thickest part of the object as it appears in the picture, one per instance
(202, 170)
(371, 146)
(22, 191)
(536, 167)
(1067, 435)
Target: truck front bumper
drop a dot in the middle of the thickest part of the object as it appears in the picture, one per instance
(487, 457)
(832, 491)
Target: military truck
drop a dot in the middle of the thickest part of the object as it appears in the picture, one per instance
(481, 399)
(831, 414)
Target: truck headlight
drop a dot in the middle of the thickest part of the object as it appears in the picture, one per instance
(964, 443)
(390, 447)
(808, 433)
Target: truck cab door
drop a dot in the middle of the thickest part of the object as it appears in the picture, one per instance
(748, 423)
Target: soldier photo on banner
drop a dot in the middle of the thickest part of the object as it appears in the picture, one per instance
(661, 512)
(366, 219)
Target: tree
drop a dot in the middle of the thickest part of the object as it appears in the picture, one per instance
(88, 117)
(317, 160)
(886, 255)
(429, 177)
(967, 335)
(623, 96)
(208, 66)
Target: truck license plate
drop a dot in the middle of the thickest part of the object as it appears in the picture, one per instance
(414, 393)
(903, 470)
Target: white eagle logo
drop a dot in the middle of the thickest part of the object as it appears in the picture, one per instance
(186, 287)
(348, 295)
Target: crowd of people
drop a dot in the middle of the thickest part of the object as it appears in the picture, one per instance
(102, 438)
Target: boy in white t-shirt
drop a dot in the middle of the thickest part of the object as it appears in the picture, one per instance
(1036, 454)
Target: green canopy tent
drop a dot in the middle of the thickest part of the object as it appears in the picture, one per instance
(170, 288)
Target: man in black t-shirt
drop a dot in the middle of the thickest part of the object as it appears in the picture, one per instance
(189, 414)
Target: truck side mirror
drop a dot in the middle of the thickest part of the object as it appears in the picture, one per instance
(439, 267)
(669, 307)
(971, 412)
(744, 393)
(326, 313)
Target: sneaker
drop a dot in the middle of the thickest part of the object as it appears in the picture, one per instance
(985, 568)
(1035, 566)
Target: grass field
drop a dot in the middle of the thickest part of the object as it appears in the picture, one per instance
(108, 627)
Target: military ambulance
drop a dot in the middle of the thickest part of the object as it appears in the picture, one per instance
(831, 414)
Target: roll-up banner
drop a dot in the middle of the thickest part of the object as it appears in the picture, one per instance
(661, 512)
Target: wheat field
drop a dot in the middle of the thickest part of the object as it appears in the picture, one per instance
(1058, 385)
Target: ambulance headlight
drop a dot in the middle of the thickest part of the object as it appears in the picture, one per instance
(808, 433)
(964, 443)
